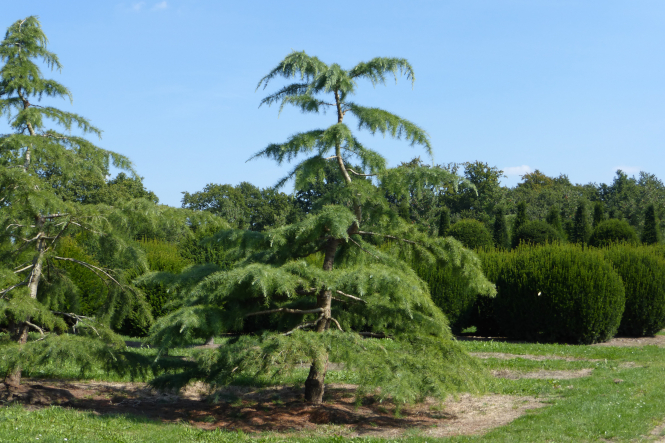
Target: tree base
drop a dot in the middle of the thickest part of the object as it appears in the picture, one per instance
(315, 384)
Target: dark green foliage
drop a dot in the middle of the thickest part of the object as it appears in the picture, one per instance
(482, 312)
(500, 232)
(472, 234)
(536, 233)
(520, 218)
(613, 231)
(650, 234)
(598, 213)
(643, 274)
(554, 219)
(444, 221)
(581, 229)
(559, 293)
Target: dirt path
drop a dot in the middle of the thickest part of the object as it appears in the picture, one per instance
(282, 409)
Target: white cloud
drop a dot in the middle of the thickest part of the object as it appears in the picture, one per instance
(628, 169)
(160, 5)
(138, 6)
(517, 170)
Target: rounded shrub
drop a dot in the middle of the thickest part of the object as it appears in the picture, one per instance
(613, 231)
(472, 234)
(536, 233)
(559, 293)
(643, 275)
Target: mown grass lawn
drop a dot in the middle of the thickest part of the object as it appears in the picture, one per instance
(622, 400)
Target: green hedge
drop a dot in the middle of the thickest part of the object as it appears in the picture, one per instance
(472, 234)
(482, 312)
(613, 231)
(643, 275)
(559, 293)
(536, 233)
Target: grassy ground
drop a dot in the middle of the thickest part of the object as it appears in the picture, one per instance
(622, 400)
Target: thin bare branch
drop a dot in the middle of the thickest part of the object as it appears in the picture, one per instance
(360, 175)
(363, 249)
(23, 283)
(387, 236)
(286, 310)
(78, 318)
(34, 326)
(91, 267)
(352, 297)
(337, 323)
(300, 326)
(374, 335)
(24, 269)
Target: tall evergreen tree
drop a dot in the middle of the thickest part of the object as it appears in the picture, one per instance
(444, 221)
(553, 218)
(598, 213)
(500, 231)
(520, 218)
(359, 287)
(35, 218)
(581, 230)
(650, 234)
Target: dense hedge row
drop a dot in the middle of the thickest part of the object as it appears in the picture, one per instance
(563, 293)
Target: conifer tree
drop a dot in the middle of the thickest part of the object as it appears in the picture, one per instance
(581, 227)
(444, 221)
(553, 218)
(35, 290)
(650, 234)
(359, 286)
(520, 218)
(500, 231)
(598, 213)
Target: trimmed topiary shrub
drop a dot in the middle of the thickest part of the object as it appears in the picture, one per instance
(643, 275)
(613, 231)
(559, 293)
(472, 234)
(451, 293)
(482, 312)
(536, 233)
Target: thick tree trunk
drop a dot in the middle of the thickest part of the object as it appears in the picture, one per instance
(19, 333)
(315, 383)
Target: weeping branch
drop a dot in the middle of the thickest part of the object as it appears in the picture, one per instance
(386, 236)
(34, 326)
(286, 310)
(363, 249)
(352, 297)
(77, 318)
(95, 269)
(360, 175)
(337, 323)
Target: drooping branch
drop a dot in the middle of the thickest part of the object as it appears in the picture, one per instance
(360, 175)
(23, 283)
(363, 249)
(337, 323)
(34, 326)
(286, 310)
(93, 268)
(387, 236)
(374, 335)
(77, 318)
(352, 297)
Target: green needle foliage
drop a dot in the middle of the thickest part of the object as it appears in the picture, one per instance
(500, 231)
(650, 234)
(44, 272)
(315, 290)
(520, 218)
(598, 213)
(581, 227)
(444, 221)
(553, 218)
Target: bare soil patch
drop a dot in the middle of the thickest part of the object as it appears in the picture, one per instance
(504, 356)
(542, 374)
(656, 340)
(281, 409)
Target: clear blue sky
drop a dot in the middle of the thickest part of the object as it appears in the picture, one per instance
(574, 87)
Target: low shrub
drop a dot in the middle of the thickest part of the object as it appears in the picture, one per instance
(559, 293)
(536, 233)
(643, 275)
(613, 231)
(472, 234)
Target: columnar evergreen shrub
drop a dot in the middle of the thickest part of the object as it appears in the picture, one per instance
(500, 231)
(520, 217)
(581, 230)
(537, 233)
(559, 293)
(598, 213)
(650, 234)
(643, 275)
(444, 221)
(613, 231)
(553, 218)
(472, 234)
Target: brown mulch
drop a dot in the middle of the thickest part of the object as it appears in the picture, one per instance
(281, 409)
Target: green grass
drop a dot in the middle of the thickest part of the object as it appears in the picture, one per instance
(589, 409)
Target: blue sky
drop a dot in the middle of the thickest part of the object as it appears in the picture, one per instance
(574, 87)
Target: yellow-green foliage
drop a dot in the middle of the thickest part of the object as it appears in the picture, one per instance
(643, 273)
(559, 293)
(163, 256)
